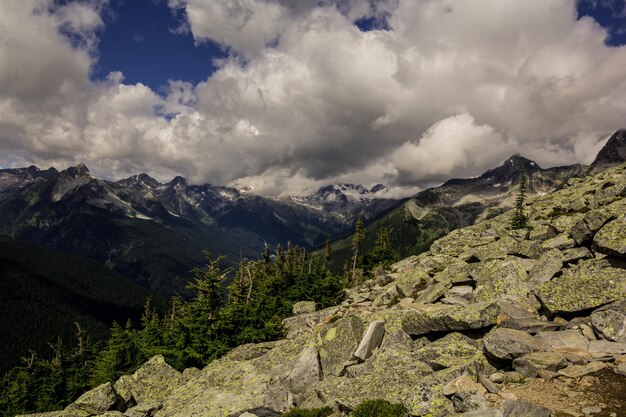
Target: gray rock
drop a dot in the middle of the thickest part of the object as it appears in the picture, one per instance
(433, 292)
(575, 371)
(304, 307)
(562, 241)
(94, 402)
(448, 351)
(417, 320)
(508, 344)
(585, 228)
(372, 339)
(576, 254)
(497, 280)
(524, 409)
(530, 325)
(547, 266)
(467, 401)
(563, 341)
(604, 348)
(337, 342)
(516, 309)
(488, 412)
(621, 368)
(602, 284)
(462, 383)
(151, 383)
(611, 239)
(488, 384)
(306, 371)
(530, 365)
(610, 321)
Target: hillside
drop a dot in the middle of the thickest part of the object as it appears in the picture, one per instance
(43, 292)
(489, 322)
(434, 212)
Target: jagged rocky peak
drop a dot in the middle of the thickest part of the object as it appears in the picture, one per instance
(345, 191)
(510, 169)
(614, 151)
(77, 171)
(142, 180)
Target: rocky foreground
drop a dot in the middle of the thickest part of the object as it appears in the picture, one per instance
(469, 328)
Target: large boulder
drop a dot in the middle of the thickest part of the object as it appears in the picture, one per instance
(563, 341)
(547, 266)
(372, 339)
(509, 344)
(611, 239)
(337, 342)
(419, 320)
(610, 321)
(529, 365)
(304, 307)
(498, 279)
(590, 284)
(524, 409)
(97, 401)
(448, 351)
(151, 383)
(586, 228)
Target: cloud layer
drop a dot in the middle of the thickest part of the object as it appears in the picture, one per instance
(447, 88)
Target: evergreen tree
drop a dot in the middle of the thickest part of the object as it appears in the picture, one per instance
(327, 253)
(357, 242)
(520, 220)
(207, 286)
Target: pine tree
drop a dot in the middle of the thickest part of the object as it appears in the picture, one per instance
(519, 220)
(207, 285)
(328, 251)
(357, 242)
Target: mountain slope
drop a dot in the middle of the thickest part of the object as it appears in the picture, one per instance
(43, 292)
(441, 332)
(613, 152)
(434, 212)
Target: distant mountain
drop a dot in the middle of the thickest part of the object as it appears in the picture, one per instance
(613, 152)
(154, 233)
(459, 202)
(43, 292)
(12, 180)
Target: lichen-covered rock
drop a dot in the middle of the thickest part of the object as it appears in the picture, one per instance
(304, 307)
(94, 402)
(562, 241)
(418, 321)
(498, 279)
(305, 323)
(433, 292)
(531, 326)
(591, 284)
(611, 239)
(508, 344)
(306, 371)
(529, 365)
(151, 383)
(547, 266)
(337, 343)
(410, 281)
(448, 351)
(459, 241)
(586, 228)
(610, 321)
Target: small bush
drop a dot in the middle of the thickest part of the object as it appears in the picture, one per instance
(311, 412)
(379, 408)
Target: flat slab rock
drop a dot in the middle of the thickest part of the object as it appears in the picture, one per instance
(417, 320)
(524, 409)
(592, 284)
(509, 344)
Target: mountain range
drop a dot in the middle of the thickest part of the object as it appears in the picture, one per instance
(155, 233)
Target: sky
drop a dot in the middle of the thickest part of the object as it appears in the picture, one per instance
(285, 96)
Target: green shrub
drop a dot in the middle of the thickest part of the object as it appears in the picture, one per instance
(311, 412)
(379, 408)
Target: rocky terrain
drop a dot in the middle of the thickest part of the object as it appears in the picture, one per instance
(489, 322)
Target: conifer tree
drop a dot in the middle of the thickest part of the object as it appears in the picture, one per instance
(357, 242)
(328, 250)
(519, 220)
